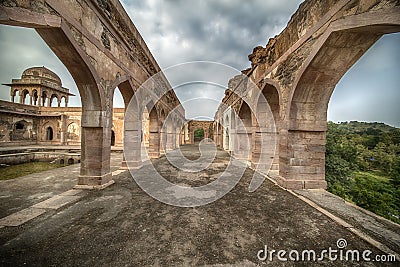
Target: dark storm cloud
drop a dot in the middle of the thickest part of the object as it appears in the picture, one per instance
(178, 31)
(222, 31)
(225, 31)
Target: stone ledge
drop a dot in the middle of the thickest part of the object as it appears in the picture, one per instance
(94, 187)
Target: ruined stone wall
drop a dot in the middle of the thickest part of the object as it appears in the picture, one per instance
(299, 69)
(193, 125)
(36, 120)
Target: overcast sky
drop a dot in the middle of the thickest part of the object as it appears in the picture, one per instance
(225, 32)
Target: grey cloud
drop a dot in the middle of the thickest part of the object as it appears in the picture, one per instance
(225, 31)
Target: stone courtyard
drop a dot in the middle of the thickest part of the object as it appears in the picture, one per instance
(272, 120)
(123, 226)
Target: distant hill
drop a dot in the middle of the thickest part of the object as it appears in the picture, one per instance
(372, 128)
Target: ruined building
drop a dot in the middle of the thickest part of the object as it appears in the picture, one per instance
(38, 113)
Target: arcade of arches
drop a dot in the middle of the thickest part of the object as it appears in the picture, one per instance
(284, 95)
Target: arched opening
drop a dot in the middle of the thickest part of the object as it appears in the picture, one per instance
(54, 100)
(26, 97)
(49, 133)
(163, 132)
(73, 132)
(226, 135)
(63, 102)
(306, 137)
(71, 161)
(62, 161)
(122, 95)
(219, 134)
(35, 97)
(21, 131)
(62, 43)
(43, 101)
(243, 138)
(19, 126)
(145, 128)
(198, 134)
(15, 97)
(266, 129)
(112, 138)
(154, 134)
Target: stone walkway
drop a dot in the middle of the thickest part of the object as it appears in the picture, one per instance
(123, 226)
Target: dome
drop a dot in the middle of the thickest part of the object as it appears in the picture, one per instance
(41, 72)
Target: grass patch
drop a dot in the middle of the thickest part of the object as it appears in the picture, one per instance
(23, 169)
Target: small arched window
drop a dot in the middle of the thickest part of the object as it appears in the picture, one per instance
(49, 133)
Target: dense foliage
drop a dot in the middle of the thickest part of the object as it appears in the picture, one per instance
(199, 133)
(363, 166)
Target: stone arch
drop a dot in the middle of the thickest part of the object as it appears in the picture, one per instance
(163, 131)
(112, 138)
(35, 97)
(73, 132)
(15, 97)
(227, 132)
(154, 133)
(56, 97)
(43, 99)
(59, 37)
(49, 133)
(145, 128)
(22, 130)
(63, 101)
(269, 102)
(342, 44)
(26, 97)
(244, 133)
(126, 88)
(199, 134)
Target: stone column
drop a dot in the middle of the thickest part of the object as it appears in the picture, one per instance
(169, 137)
(163, 140)
(21, 97)
(154, 140)
(64, 129)
(95, 149)
(302, 159)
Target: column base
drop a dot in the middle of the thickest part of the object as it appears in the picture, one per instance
(299, 184)
(125, 165)
(94, 182)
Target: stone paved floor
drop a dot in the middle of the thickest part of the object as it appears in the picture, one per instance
(123, 226)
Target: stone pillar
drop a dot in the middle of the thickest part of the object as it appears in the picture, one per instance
(30, 100)
(169, 138)
(242, 142)
(177, 137)
(95, 150)
(132, 144)
(154, 140)
(163, 140)
(64, 129)
(302, 159)
(21, 97)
